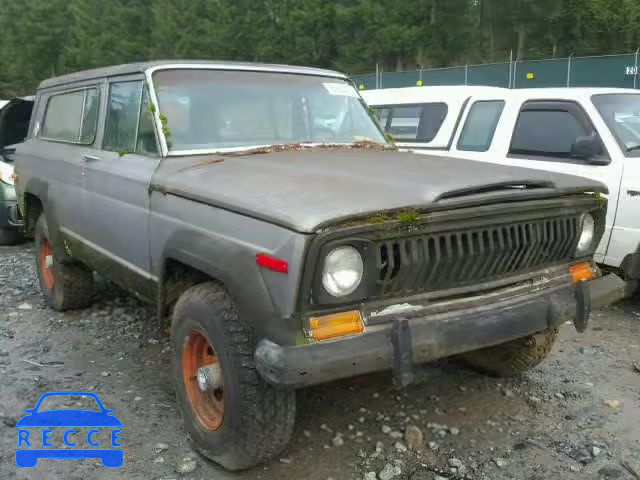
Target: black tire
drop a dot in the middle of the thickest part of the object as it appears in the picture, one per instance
(513, 358)
(71, 286)
(258, 419)
(9, 236)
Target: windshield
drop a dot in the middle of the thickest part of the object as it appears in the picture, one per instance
(621, 113)
(214, 109)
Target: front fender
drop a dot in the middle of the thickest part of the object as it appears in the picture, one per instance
(223, 245)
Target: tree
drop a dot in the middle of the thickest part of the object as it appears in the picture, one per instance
(41, 38)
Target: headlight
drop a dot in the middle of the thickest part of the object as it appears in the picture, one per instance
(6, 173)
(586, 237)
(342, 271)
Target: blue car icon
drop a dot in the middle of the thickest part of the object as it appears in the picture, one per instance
(28, 457)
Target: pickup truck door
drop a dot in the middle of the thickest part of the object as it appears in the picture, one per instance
(116, 182)
(625, 238)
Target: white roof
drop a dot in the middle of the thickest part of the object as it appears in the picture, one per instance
(3, 103)
(457, 94)
(392, 96)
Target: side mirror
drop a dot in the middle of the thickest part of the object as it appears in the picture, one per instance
(587, 148)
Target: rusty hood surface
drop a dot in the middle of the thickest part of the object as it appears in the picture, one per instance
(307, 190)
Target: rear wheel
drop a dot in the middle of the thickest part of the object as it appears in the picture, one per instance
(65, 285)
(230, 413)
(515, 357)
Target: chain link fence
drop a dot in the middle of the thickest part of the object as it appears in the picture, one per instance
(595, 71)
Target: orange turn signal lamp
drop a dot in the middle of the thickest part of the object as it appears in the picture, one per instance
(581, 272)
(336, 325)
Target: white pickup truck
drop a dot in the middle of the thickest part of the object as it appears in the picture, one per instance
(591, 132)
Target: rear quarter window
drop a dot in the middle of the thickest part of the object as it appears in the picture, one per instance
(480, 125)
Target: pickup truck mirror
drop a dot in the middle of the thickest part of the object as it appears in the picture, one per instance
(590, 148)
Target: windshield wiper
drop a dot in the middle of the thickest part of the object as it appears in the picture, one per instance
(633, 148)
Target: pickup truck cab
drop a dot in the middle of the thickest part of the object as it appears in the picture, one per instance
(591, 132)
(286, 243)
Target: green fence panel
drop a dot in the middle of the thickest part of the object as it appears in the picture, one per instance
(366, 82)
(400, 79)
(602, 71)
(443, 76)
(606, 71)
(542, 73)
(495, 75)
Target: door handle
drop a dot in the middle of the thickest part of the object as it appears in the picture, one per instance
(633, 193)
(90, 158)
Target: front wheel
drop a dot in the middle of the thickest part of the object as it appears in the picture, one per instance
(230, 413)
(65, 286)
(515, 357)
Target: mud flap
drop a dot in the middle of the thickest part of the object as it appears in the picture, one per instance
(583, 307)
(402, 353)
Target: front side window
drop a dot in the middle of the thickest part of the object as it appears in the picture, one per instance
(621, 113)
(72, 117)
(89, 116)
(123, 113)
(547, 133)
(413, 123)
(146, 143)
(480, 125)
(214, 109)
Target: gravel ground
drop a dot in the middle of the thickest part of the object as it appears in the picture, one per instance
(575, 417)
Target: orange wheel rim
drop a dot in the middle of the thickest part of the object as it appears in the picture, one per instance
(203, 380)
(46, 263)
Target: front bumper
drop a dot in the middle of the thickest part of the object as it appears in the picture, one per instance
(398, 344)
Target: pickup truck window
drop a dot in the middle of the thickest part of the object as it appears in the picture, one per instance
(213, 109)
(72, 117)
(413, 123)
(621, 113)
(480, 125)
(550, 129)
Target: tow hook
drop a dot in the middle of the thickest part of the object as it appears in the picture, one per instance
(583, 306)
(402, 353)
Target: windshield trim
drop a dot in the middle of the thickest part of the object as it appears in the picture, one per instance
(226, 67)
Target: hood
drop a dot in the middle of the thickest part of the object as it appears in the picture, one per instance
(307, 190)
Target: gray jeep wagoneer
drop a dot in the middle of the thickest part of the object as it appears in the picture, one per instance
(286, 243)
